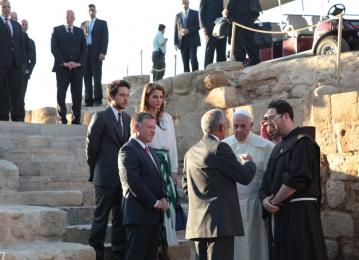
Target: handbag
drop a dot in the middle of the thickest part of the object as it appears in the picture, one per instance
(221, 28)
(181, 218)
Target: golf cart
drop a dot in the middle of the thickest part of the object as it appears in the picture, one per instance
(323, 40)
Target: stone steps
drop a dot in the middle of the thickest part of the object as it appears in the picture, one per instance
(52, 198)
(47, 250)
(81, 233)
(21, 223)
(79, 215)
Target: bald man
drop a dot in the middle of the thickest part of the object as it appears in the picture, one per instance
(68, 46)
(253, 245)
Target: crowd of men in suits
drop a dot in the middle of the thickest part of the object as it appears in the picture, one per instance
(18, 58)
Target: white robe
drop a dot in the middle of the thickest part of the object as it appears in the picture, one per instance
(254, 244)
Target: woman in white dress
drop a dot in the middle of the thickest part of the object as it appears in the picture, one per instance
(164, 143)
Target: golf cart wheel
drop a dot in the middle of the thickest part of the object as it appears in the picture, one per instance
(329, 46)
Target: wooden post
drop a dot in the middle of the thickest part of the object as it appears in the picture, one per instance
(232, 40)
(340, 35)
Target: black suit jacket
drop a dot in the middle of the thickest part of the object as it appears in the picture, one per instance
(211, 171)
(237, 7)
(66, 47)
(103, 143)
(11, 48)
(30, 54)
(192, 38)
(209, 11)
(99, 36)
(142, 185)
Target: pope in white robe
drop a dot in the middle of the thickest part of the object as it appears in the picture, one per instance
(254, 244)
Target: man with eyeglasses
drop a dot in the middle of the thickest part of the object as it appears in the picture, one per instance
(290, 191)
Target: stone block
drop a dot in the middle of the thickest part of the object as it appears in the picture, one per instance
(216, 79)
(332, 249)
(86, 117)
(226, 65)
(27, 223)
(336, 224)
(345, 107)
(182, 84)
(324, 136)
(80, 215)
(321, 111)
(225, 97)
(351, 250)
(46, 115)
(137, 81)
(48, 250)
(335, 193)
(344, 166)
(9, 177)
(347, 135)
(81, 233)
(52, 198)
(325, 89)
(300, 91)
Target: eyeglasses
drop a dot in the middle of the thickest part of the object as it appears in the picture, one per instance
(271, 118)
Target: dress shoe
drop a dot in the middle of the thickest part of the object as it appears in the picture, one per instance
(97, 103)
(88, 105)
(63, 122)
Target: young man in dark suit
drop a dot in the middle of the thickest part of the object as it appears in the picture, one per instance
(108, 131)
(144, 190)
(11, 65)
(68, 46)
(244, 12)
(187, 37)
(210, 173)
(96, 32)
(209, 11)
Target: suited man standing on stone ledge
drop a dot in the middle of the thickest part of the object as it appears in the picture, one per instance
(187, 37)
(12, 54)
(96, 32)
(108, 131)
(68, 46)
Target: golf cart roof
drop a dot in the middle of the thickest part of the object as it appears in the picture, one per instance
(268, 4)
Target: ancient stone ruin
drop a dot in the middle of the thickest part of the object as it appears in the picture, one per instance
(46, 203)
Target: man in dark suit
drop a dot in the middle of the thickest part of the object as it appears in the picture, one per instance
(144, 190)
(96, 32)
(107, 132)
(11, 65)
(209, 11)
(30, 58)
(211, 171)
(244, 12)
(68, 46)
(187, 36)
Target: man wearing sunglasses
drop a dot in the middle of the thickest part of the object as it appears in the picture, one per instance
(290, 191)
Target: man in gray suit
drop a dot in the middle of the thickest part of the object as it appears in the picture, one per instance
(211, 171)
(107, 132)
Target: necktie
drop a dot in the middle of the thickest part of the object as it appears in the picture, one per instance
(119, 121)
(69, 30)
(88, 36)
(185, 19)
(7, 25)
(147, 150)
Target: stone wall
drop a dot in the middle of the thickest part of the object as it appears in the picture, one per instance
(337, 123)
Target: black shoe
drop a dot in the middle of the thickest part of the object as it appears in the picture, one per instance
(63, 122)
(251, 63)
(76, 123)
(88, 105)
(97, 103)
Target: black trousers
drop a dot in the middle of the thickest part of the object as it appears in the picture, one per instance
(189, 53)
(159, 65)
(142, 241)
(244, 41)
(214, 44)
(11, 82)
(108, 199)
(66, 77)
(92, 78)
(219, 248)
